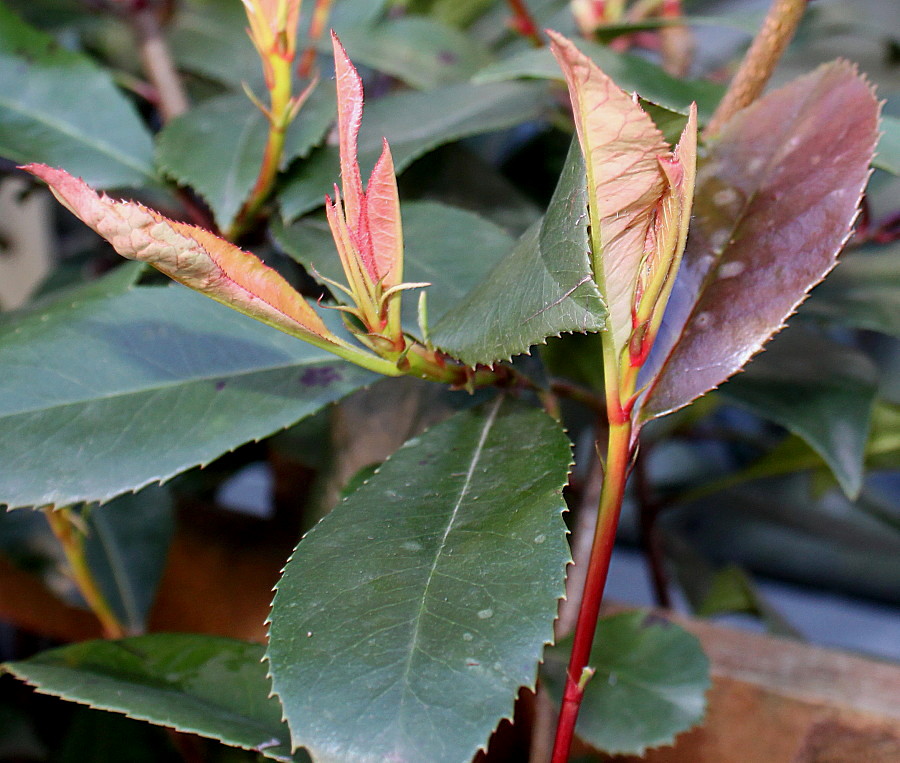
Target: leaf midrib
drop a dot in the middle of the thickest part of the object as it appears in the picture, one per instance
(169, 385)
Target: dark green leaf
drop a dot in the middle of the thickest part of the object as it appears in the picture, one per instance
(421, 51)
(59, 108)
(542, 288)
(449, 248)
(205, 685)
(217, 148)
(127, 543)
(888, 155)
(409, 617)
(112, 738)
(819, 390)
(629, 72)
(775, 201)
(415, 123)
(105, 395)
(650, 683)
(863, 291)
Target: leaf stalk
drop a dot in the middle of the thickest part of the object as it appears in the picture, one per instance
(63, 523)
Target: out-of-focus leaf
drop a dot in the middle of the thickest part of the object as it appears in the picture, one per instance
(650, 683)
(887, 157)
(212, 41)
(449, 248)
(543, 288)
(817, 389)
(217, 148)
(628, 71)
(775, 201)
(863, 291)
(58, 107)
(421, 51)
(206, 685)
(127, 543)
(112, 738)
(409, 617)
(415, 123)
(106, 395)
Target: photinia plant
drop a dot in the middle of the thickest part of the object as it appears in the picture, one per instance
(409, 618)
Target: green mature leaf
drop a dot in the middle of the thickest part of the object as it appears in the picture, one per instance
(415, 123)
(409, 617)
(887, 157)
(450, 248)
(863, 291)
(819, 390)
(58, 107)
(775, 201)
(629, 72)
(422, 52)
(542, 288)
(126, 547)
(217, 148)
(107, 394)
(649, 685)
(206, 685)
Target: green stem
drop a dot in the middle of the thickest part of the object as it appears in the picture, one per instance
(611, 494)
(71, 539)
(760, 61)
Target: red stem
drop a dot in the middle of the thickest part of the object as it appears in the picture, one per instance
(316, 27)
(523, 22)
(618, 460)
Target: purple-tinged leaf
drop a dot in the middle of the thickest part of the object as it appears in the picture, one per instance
(775, 202)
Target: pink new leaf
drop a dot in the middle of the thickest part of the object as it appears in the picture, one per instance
(622, 149)
(192, 256)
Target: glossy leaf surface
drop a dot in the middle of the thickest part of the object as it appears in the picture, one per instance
(205, 685)
(415, 123)
(58, 107)
(217, 148)
(650, 683)
(106, 394)
(450, 248)
(408, 618)
(775, 201)
(819, 390)
(542, 288)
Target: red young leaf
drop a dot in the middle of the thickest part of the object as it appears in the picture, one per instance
(192, 256)
(775, 202)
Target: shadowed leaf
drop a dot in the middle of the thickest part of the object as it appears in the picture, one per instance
(206, 685)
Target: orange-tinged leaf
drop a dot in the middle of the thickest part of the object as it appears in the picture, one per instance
(192, 256)
(622, 149)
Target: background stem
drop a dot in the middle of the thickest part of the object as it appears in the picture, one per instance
(157, 63)
(72, 541)
(618, 460)
(760, 61)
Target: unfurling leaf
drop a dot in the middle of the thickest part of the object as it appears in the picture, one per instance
(200, 260)
(639, 202)
(775, 202)
(366, 224)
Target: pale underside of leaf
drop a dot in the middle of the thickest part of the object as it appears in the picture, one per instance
(775, 203)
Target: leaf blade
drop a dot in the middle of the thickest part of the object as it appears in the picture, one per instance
(756, 191)
(433, 644)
